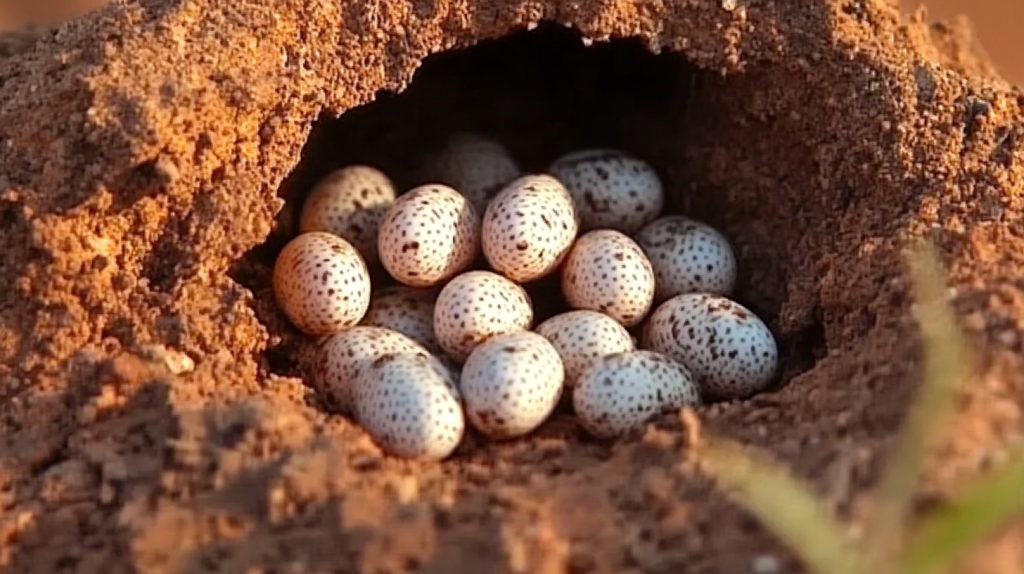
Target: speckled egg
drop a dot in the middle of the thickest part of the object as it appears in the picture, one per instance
(321, 283)
(475, 165)
(583, 337)
(342, 357)
(405, 309)
(688, 256)
(606, 271)
(611, 189)
(511, 383)
(429, 235)
(350, 203)
(410, 406)
(730, 351)
(621, 393)
(476, 306)
(528, 228)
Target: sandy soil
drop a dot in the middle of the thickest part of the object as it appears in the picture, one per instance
(153, 154)
(995, 23)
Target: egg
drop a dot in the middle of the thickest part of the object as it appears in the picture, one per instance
(321, 283)
(730, 351)
(582, 337)
(511, 384)
(618, 394)
(475, 165)
(350, 203)
(606, 271)
(688, 256)
(611, 189)
(410, 406)
(528, 228)
(475, 306)
(430, 234)
(405, 309)
(343, 357)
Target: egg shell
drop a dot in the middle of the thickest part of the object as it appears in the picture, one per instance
(350, 203)
(528, 228)
(343, 357)
(621, 393)
(321, 283)
(728, 348)
(688, 256)
(410, 406)
(582, 337)
(475, 306)
(408, 310)
(511, 384)
(611, 189)
(606, 271)
(430, 234)
(475, 165)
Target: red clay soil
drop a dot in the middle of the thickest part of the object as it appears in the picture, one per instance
(143, 148)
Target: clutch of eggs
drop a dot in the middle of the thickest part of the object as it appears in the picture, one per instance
(452, 341)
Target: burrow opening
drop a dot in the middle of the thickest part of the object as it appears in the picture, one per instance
(541, 93)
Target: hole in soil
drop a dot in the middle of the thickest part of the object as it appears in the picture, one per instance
(541, 93)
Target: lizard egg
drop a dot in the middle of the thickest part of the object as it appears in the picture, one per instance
(410, 406)
(408, 310)
(478, 305)
(611, 189)
(342, 357)
(730, 351)
(350, 203)
(528, 228)
(607, 271)
(621, 393)
(477, 166)
(429, 235)
(321, 283)
(511, 383)
(688, 257)
(583, 337)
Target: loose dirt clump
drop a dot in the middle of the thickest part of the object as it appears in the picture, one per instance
(153, 155)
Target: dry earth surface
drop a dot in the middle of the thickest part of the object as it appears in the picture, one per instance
(153, 153)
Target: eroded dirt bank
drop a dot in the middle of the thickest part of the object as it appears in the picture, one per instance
(143, 149)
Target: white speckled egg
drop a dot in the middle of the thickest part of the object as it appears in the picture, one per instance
(607, 271)
(611, 189)
(476, 306)
(620, 393)
(582, 337)
(511, 383)
(429, 235)
(321, 283)
(688, 257)
(350, 203)
(730, 351)
(528, 228)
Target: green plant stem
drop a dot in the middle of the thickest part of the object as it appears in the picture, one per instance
(786, 506)
(945, 538)
(946, 365)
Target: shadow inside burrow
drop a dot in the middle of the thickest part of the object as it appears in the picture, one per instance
(541, 93)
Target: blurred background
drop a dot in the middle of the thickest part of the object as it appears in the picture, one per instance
(996, 22)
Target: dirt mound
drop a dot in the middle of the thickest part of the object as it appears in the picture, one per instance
(153, 153)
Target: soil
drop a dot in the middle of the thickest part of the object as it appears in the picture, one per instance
(994, 22)
(154, 152)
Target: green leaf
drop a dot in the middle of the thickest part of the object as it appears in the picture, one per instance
(946, 537)
(946, 365)
(785, 505)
